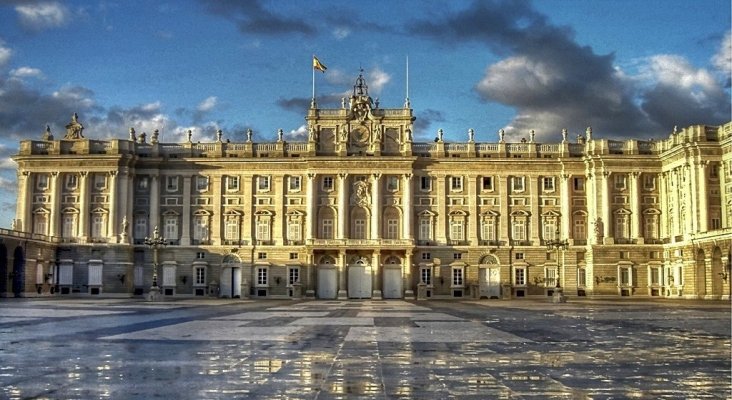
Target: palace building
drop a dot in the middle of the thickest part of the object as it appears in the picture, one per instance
(360, 210)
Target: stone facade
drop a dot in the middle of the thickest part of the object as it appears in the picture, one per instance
(359, 210)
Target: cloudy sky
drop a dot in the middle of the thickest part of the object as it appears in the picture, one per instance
(627, 68)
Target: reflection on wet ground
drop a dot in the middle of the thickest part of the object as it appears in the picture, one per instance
(80, 349)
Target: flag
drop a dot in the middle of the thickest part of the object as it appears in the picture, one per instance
(318, 65)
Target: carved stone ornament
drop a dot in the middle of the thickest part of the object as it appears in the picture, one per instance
(361, 195)
(74, 129)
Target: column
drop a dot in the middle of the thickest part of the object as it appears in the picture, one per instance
(124, 206)
(408, 291)
(663, 230)
(376, 275)
(310, 208)
(702, 203)
(504, 220)
(605, 207)
(441, 220)
(185, 237)
(279, 235)
(723, 179)
(342, 206)
(84, 206)
(407, 207)
(376, 211)
(566, 210)
(112, 223)
(635, 211)
(214, 231)
(155, 203)
(533, 186)
(342, 269)
(248, 227)
(472, 211)
(24, 201)
(690, 219)
(55, 216)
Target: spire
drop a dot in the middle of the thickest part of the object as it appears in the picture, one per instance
(360, 88)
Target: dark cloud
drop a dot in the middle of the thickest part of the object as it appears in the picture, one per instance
(301, 105)
(252, 17)
(423, 123)
(555, 83)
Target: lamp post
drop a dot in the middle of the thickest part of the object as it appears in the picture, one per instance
(154, 243)
(556, 245)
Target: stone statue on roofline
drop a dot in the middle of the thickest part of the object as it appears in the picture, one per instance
(74, 129)
(47, 136)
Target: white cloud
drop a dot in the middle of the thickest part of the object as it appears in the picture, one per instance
(723, 59)
(40, 16)
(207, 104)
(341, 32)
(299, 134)
(377, 79)
(26, 72)
(5, 54)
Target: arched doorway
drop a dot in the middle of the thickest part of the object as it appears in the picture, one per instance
(489, 276)
(701, 274)
(359, 279)
(327, 278)
(231, 276)
(392, 278)
(18, 271)
(3, 270)
(717, 272)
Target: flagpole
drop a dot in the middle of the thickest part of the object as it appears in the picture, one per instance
(312, 102)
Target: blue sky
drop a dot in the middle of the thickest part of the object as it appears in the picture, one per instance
(627, 68)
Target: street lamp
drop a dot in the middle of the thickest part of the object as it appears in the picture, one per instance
(154, 243)
(556, 245)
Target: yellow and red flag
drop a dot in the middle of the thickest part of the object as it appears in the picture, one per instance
(318, 65)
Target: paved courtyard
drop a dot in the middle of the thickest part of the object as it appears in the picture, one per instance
(223, 349)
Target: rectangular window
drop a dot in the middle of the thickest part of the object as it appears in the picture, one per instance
(620, 181)
(293, 231)
(392, 229)
(517, 184)
(457, 256)
(489, 229)
(625, 276)
(550, 229)
(519, 229)
(263, 183)
(457, 231)
(581, 277)
(200, 276)
(263, 230)
(550, 277)
(548, 183)
(200, 255)
(488, 183)
(42, 181)
(651, 226)
(456, 183)
(426, 256)
(140, 227)
(232, 183)
(72, 181)
(392, 183)
(294, 183)
(519, 277)
(425, 275)
(425, 183)
(359, 229)
(142, 183)
(40, 224)
(621, 227)
(293, 276)
(200, 227)
(100, 182)
(261, 256)
(714, 172)
(171, 228)
(69, 223)
(201, 183)
(579, 184)
(293, 256)
(457, 277)
(261, 276)
(519, 256)
(327, 183)
(649, 181)
(98, 225)
(231, 230)
(327, 229)
(171, 183)
(655, 276)
(580, 231)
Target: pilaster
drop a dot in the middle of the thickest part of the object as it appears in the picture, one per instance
(185, 238)
(112, 224)
(155, 203)
(605, 207)
(342, 215)
(407, 272)
(310, 207)
(533, 186)
(635, 212)
(441, 219)
(376, 211)
(376, 277)
(84, 206)
(703, 196)
(55, 216)
(215, 231)
(342, 270)
(472, 208)
(564, 199)
(407, 207)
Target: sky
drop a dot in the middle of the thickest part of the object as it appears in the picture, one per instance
(628, 68)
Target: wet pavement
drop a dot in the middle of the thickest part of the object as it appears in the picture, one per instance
(488, 349)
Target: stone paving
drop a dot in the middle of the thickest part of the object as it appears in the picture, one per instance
(497, 349)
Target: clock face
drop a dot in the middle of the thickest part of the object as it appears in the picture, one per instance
(360, 134)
